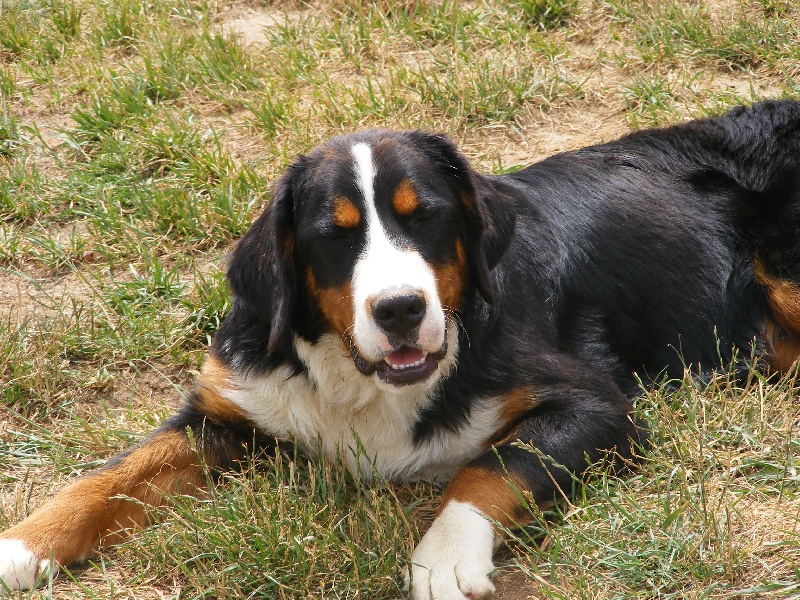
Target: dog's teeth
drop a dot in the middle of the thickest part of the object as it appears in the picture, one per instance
(400, 367)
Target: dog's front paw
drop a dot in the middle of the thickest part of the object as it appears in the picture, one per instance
(454, 559)
(20, 569)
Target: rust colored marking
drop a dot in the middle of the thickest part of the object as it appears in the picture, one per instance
(336, 304)
(405, 200)
(783, 347)
(451, 279)
(783, 334)
(513, 407)
(516, 404)
(216, 376)
(494, 493)
(97, 509)
(345, 213)
(288, 245)
(784, 297)
(217, 373)
(468, 201)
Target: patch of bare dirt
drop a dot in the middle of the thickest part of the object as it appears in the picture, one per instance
(724, 11)
(234, 132)
(514, 585)
(544, 134)
(24, 294)
(248, 24)
(42, 131)
(744, 86)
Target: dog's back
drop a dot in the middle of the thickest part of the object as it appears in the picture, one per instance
(667, 248)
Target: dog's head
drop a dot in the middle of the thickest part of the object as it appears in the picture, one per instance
(377, 237)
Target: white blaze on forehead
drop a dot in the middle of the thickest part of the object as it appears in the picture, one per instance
(365, 174)
(383, 267)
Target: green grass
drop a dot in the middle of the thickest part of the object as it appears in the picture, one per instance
(690, 524)
(139, 139)
(288, 528)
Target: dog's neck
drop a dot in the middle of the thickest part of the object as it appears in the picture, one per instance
(333, 409)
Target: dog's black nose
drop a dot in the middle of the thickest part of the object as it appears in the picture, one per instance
(399, 313)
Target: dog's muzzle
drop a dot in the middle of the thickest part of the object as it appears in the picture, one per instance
(399, 315)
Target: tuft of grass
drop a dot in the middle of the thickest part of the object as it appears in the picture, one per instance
(677, 31)
(122, 23)
(545, 14)
(21, 187)
(8, 85)
(66, 18)
(17, 31)
(750, 43)
(209, 306)
(288, 526)
(9, 131)
(649, 101)
(491, 90)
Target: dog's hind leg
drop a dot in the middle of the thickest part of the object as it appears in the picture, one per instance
(782, 328)
(775, 229)
(96, 507)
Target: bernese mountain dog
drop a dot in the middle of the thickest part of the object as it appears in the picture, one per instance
(396, 310)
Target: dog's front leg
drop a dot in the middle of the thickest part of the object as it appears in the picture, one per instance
(453, 561)
(208, 435)
(98, 507)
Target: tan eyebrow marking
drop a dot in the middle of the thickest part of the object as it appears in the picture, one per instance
(405, 199)
(345, 213)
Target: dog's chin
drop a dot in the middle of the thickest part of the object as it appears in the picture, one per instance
(404, 366)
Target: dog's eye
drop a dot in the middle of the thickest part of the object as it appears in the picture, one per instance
(420, 217)
(328, 238)
(345, 237)
(340, 237)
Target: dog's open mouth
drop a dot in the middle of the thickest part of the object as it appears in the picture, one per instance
(404, 366)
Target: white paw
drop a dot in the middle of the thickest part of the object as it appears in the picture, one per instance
(454, 559)
(20, 569)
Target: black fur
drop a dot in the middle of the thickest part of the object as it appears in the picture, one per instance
(588, 271)
(488, 218)
(571, 281)
(262, 271)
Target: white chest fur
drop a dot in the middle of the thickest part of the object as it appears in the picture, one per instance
(344, 414)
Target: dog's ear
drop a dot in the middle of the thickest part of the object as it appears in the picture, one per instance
(262, 270)
(489, 217)
(490, 223)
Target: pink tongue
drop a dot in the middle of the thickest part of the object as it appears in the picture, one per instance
(405, 356)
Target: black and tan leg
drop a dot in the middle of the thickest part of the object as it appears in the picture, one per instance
(208, 435)
(453, 560)
(782, 329)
